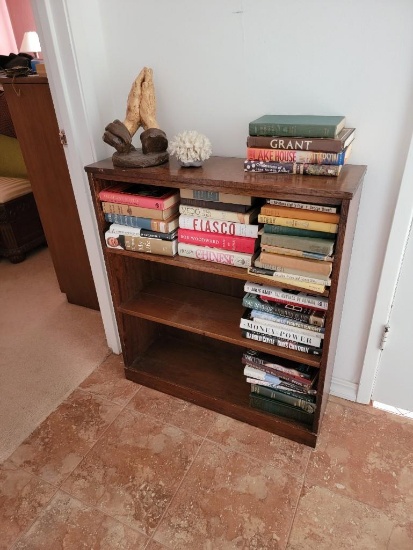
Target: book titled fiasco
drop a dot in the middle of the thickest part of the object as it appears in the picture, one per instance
(218, 226)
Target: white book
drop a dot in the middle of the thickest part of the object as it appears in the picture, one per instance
(317, 302)
(273, 274)
(261, 375)
(218, 226)
(217, 255)
(276, 324)
(286, 333)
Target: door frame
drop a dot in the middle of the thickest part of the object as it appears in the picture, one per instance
(396, 246)
(53, 27)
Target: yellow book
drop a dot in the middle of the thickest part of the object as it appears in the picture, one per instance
(300, 214)
(301, 224)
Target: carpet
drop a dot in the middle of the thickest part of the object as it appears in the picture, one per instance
(47, 346)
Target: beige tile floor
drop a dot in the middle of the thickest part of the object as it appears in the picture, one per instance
(119, 466)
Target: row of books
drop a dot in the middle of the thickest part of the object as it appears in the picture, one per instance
(281, 387)
(296, 245)
(298, 144)
(296, 248)
(218, 227)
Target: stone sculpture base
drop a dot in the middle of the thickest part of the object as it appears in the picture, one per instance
(137, 159)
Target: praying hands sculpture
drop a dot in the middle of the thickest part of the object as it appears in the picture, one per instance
(140, 111)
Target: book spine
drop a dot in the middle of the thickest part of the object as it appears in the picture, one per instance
(283, 155)
(140, 232)
(279, 295)
(344, 139)
(147, 245)
(286, 365)
(295, 242)
(300, 275)
(296, 253)
(311, 350)
(292, 168)
(285, 379)
(283, 397)
(280, 409)
(309, 266)
(216, 205)
(300, 224)
(304, 283)
(286, 212)
(255, 313)
(272, 323)
(154, 203)
(236, 259)
(130, 221)
(291, 334)
(299, 313)
(298, 232)
(225, 215)
(215, 196)
(283, 375)
(293, 130)
(137, 211)
(218, 226)
(307, 396)
(246, 245)
(303, 205)
(261, 375)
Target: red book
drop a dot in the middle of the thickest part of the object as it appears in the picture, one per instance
(217, 240)
(138, 194)
(288, 302)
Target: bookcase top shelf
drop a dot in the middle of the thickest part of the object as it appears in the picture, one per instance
(225, 174)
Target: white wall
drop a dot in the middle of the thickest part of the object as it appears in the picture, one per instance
(221, 63)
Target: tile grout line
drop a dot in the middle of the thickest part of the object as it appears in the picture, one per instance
(300, 494)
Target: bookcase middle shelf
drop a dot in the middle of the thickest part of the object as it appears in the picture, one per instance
(197, 311)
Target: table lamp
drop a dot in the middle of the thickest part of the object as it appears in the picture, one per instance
(31, 44)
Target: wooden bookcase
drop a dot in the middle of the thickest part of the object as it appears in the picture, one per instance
(179, 318)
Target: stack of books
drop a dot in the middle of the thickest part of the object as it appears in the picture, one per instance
(281, 387)
(297, 244)
(284, 318)
(143, 218)
(298, 144)
(218, 227)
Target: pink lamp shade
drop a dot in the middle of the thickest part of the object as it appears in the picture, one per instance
(31, 43)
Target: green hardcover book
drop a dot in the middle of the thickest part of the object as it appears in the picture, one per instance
(273, 406)
(265, 391)
(297, 126)
(296, 242)
(297, 231)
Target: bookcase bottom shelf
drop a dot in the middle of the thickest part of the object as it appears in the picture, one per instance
(211, 377)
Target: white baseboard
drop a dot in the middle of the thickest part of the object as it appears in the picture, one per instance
(344, 389)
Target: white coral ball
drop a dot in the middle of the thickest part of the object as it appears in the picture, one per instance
(190, 146)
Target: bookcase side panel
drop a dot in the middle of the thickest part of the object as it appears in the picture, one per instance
(350, 210)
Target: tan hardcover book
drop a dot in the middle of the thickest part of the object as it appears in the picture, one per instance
(299, 223)
(304, 264)
(141, 244)
(286, 212)
(138, 211)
